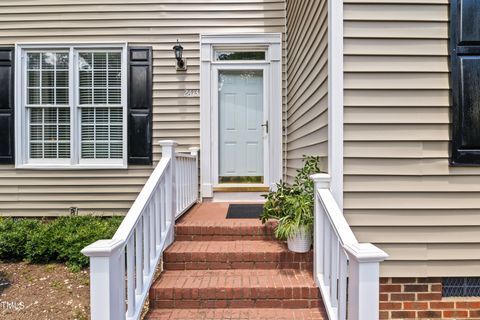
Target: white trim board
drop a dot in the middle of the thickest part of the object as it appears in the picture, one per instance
(335, 99)
(273, 44)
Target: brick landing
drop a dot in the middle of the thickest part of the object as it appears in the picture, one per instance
(232, 269)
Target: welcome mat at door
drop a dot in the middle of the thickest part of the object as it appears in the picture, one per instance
(244, 211)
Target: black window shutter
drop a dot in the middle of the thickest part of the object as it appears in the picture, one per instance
(465, 69)
(140, 105)
(7, 128)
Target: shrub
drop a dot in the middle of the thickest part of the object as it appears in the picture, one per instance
(57, 240)
(292, 205)
(13, 236)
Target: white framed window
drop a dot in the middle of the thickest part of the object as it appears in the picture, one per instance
(71, 106)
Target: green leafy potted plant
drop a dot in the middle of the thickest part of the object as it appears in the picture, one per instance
(292, 206)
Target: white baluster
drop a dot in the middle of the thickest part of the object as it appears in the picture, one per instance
(157, 212)
(131, 276)
(146, 242)
(342, 285)
(138, 257)
(151, 214)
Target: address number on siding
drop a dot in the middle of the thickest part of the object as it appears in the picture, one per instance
(191, 93)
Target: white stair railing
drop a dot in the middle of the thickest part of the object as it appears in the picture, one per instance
(339, 257)
(122, 269)
(187, 180)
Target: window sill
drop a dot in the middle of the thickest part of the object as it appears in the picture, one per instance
(37, 166)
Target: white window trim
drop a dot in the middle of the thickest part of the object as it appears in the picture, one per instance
(21, 131)
(272, 43)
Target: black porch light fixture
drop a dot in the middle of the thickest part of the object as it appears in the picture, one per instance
(181, 64)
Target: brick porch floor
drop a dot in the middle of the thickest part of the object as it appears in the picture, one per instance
(222, 268)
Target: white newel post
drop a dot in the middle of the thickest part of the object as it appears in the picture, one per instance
(107, 294)
(168, 151)
(321, 181)
(194, 152)
(364, 265)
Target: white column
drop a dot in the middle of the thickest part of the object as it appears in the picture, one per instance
(107, 284)
(364, 281)
(168, 151)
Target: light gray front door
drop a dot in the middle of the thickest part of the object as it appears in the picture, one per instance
(240, 104)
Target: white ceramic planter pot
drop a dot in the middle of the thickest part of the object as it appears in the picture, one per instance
(301, 241)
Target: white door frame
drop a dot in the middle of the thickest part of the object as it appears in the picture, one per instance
(209, 107)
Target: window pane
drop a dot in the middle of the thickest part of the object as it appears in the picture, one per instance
(61, 96)
(33, 96)
(99, 60)
(239, 55)
(62, 61)
(101, 133)
(33, 61)
(62, 79)
(100, 78)
(48, 77)
(45, 72)
(86, 96)
(48, 96)
(114, 96)
(85, 78)
(33, 78)
(49, 133)
(36, 150)
(114, 61)
(99, 96)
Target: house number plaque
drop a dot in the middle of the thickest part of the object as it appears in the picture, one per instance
(191, 93)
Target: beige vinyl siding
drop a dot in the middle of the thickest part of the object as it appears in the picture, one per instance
(156, 23)
(400, 192)
(307, 82)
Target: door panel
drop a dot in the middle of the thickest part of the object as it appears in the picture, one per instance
(240, 104)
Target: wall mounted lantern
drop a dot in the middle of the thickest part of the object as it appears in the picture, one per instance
(181, 64)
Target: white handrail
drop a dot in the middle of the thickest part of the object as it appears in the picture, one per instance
(338, 256)
(187, 180)
(122, 269)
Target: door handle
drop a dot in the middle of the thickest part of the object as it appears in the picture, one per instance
(265, 125)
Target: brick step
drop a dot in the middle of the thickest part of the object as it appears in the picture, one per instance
(225, 230)
(239, 254)
(234, 314)
(235, 289)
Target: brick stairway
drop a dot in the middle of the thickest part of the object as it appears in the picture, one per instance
(232, 269)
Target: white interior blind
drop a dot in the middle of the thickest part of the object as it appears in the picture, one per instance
(47, 103)
(101, 111)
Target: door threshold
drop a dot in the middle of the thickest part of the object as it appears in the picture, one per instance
(241, 189)
(250, 197)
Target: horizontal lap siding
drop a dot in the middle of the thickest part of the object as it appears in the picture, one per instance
(400, 192)
(307, 85)
(156, 23)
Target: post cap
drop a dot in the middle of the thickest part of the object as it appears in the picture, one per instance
(194, 149)
(168, 143)
(102, 248)
(366, 252)
(321, 180)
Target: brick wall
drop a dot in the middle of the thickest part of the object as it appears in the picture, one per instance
(421, 298)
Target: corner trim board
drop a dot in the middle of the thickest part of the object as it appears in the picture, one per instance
(335, 99)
